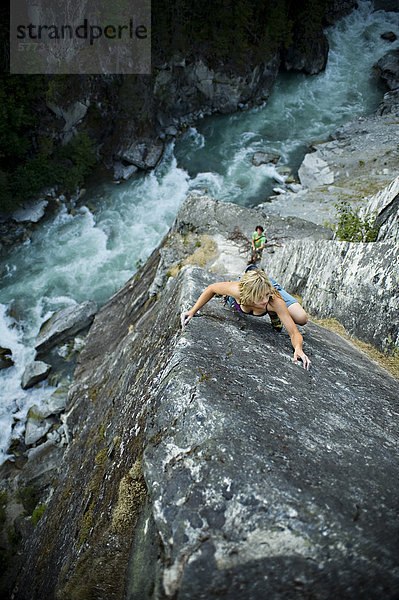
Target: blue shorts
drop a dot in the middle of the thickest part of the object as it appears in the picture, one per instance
(288, 299)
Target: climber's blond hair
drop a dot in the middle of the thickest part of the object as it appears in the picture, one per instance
(254, 286)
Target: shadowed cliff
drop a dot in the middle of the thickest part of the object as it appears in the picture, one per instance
(203, 463)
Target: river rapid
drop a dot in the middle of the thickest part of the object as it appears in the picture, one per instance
(90, 252)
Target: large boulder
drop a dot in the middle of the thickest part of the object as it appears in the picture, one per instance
(144, 154)
(205, 462)
(32, 213)
(34, 373)
(64, 324)
(36, 426)
(388, 68)
(315, 172)
(264, 158)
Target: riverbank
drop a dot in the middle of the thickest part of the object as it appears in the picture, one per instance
(361, 158)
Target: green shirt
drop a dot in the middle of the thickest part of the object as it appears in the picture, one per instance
(258, 239)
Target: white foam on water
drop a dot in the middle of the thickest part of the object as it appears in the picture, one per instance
(14, 401)
(87, 254)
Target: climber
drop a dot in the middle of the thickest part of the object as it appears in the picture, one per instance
(256, 294)
(258, 242)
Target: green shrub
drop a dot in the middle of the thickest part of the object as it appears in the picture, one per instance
(351, 226)
(38, 513)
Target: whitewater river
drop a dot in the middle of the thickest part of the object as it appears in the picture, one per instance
(92, 253)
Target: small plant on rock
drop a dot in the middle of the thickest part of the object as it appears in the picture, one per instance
(351, 226)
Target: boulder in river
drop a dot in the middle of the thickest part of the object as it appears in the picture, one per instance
(32, 212)
(35, 372)
(264, 158)
(64, 324)
(6, 360)
(144, 154)
(36, 425)
(390, 36)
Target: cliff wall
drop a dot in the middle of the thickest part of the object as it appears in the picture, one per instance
(204, 462)
(358, 283)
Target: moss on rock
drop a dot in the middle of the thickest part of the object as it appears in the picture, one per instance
(131, 495)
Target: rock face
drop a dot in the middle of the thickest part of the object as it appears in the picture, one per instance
(64, 324)
(204, 462)
(388, 67)
(309, 56)
(385, 206)
(358, 282)
(351, 282)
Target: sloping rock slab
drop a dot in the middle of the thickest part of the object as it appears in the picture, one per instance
(202, 214)
(64, 324)
(262, 480)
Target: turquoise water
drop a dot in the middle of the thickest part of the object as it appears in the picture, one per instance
(91, 253)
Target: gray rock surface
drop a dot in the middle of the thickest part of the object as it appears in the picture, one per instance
(315, 172)
(388, 68)
(72, 115)
(32, 213)
(64, 324)
(204, 462)
(363, 157)
(217, 235)
(263, 158)
(356, 283)
(385, 206)
(144, 154)
(35, 372)
(36, 425)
